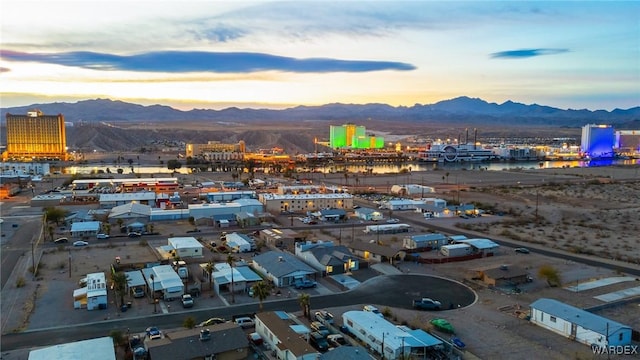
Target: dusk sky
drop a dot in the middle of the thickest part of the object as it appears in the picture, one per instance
(268, 54)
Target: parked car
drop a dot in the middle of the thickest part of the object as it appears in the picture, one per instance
(138, 292)
(336, 340)
(153, 333)
(522, 250)
(393, 221)
(212, 321)
(80, 243)
(134, 234)
(324, 317)
(187, 301)
(102, 236)
(426, 304)
(245, 322)
(61, 240)
(373, 309)
(304, 284)
(320, 328)
(255, 338)
(318, 341)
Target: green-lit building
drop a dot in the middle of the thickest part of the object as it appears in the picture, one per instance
(353, 137)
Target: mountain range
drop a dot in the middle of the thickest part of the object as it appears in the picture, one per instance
(461, 110)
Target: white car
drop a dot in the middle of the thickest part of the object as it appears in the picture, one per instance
(102, 236)
(373, 309)
(393, 221)
(80, 243)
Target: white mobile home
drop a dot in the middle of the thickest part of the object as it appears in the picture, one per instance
(424, 241)
(578, 324)
(386, 338)
(164, 279)
(456, 250)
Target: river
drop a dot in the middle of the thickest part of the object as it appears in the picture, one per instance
(376, 168)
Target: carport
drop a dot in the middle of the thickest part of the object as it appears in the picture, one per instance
(135, 279)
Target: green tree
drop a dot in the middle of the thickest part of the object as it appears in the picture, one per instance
(261, 290)
(192, 220)
(120, 222)
(119, 280)
(550, 274)
(209, 269)
(304, 300)
(189, 322)
(54, 214)
(230, 260)
(174, 164)
(118, 338)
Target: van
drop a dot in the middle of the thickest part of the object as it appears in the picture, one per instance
(245, 322)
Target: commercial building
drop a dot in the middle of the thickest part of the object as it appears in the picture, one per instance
(353, 137)
(579, 325)
(597, 141)
(276, 203)
(627, 143)
(215, 150)
(36, 136)
(184, 247)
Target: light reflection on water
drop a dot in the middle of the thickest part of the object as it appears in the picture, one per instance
(378, 168)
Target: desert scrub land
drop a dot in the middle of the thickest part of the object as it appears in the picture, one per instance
(594, 218)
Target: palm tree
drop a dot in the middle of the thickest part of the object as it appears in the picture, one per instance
(261, 291)
(305, 303)
(230, 260)
(209, 269)
(119, 280)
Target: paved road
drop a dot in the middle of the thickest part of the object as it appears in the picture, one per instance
(393, 290)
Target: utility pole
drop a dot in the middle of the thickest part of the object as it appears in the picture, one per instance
(537, 220)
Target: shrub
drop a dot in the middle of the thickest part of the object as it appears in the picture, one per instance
(20, 282)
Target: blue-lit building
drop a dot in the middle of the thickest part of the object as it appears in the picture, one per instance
(597, 141)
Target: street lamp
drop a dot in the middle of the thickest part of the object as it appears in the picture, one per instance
(153, 292)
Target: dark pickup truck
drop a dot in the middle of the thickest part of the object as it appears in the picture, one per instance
(304, 284)
(426, 304)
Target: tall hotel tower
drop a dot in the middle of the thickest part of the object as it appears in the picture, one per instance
(36, 136)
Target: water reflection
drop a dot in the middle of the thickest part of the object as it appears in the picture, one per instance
(375, 168)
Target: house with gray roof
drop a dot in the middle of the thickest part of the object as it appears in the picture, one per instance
(369, 214)
(282, 268)
(221, 341)
(326, 257)
(579, 325)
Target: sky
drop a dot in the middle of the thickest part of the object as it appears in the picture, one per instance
(272, 54)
